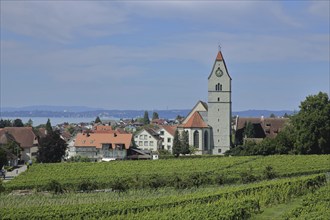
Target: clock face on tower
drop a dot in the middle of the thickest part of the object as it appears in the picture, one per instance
(218, 72)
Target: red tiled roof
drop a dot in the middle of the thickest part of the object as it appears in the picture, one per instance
(23, 135)
(272, 125)
(97, 139)
(170, 129)
(219, 56)
(195, 121)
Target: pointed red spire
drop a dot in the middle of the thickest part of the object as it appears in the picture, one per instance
(219, 56)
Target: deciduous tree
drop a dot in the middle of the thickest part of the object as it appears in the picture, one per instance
(18, 123)
(312, 125)
(155, 115)
(249, 130)
(51, 148)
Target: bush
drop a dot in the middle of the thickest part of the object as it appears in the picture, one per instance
(2, 188)
(198, 179)
(156, 181)
(55, 187)
(247, 176)
(120, 185)
(79, 158)
(86, 186)
(179, 183)
(269, 173)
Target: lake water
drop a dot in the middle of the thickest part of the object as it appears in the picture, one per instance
(55, 121)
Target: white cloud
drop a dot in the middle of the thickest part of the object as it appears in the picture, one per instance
(60, 21)
(320, 9)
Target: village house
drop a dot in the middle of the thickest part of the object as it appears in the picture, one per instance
(148, 139)
(102, 146)
(166, 133)
(25, 137)
(262, 128)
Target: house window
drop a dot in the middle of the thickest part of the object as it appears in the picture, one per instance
(161, 132)
(168, 139)
(145, 137)
(140, 143)
(136, 136)
(151, 143)
(141, 137)
(219, 151)
(146, 143)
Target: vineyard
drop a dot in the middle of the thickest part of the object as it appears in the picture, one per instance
(200, 188)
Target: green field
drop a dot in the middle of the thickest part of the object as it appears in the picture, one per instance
(194, 188)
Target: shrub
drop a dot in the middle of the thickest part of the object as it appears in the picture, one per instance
(156, 181)
(86, 186)
(269, 173)
(247, 176)
(55, 187)
(120, 185)
(2, 188)
(198, 179)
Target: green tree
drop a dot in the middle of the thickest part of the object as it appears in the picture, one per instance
(249, 130)
(18, 123)
(312, 125)
(176, 144)
(5, 123)
(155, 115)
(286, 115)
(49, 127)
(272, 115)
(3, 158)
(185, 143)
(146, 119)
(51, 148)
(29, 123)
(98, 120)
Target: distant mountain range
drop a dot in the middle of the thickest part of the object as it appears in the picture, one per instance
(87, 112)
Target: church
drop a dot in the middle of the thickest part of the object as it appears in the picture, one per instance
(209, 124)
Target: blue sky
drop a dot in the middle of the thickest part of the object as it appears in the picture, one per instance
(158, 54)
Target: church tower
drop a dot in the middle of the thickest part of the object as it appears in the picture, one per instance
(219, 106)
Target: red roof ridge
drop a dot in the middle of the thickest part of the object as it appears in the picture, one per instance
(195, 121)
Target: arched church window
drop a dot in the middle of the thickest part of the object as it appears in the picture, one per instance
(220, 87)
(216, 87)
(196, 139)
(206, 140)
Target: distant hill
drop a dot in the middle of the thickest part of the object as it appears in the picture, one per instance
(49, 108)
(87, 112)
